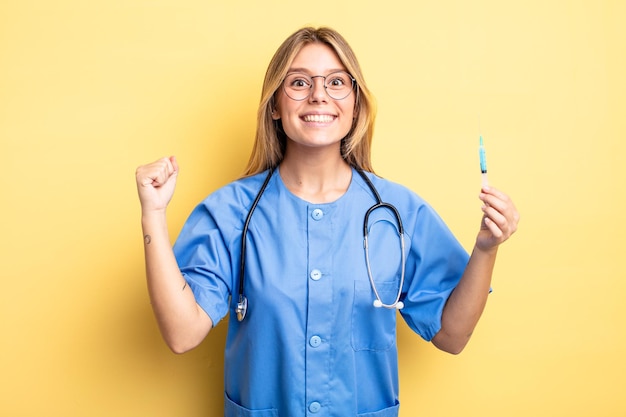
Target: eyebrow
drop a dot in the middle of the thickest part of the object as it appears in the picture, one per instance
(307, 71)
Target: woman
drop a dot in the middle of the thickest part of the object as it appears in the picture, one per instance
(312, 321)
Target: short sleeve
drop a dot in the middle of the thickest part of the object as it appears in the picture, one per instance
(436, 262)
(203, 257)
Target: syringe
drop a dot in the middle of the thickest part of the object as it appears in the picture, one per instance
(483, 163)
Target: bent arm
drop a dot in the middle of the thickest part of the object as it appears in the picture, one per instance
(182, 322)
(467, 302)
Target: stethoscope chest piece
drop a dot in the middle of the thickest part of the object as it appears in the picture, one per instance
(242, 307)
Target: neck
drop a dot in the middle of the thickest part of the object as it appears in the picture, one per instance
(317, 180)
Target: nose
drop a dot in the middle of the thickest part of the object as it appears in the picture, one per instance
(318, 89)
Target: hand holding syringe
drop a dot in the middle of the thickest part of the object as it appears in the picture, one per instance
(500, 217)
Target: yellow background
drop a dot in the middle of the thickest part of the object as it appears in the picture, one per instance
(91, 89)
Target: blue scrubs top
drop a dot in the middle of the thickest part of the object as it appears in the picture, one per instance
(312, 342)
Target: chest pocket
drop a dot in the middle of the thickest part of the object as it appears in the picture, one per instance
(232, 409)
(373, 328)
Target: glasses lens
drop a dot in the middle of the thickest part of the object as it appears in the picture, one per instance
(297, 86)
(338, 85)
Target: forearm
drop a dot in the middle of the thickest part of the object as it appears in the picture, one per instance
(466, 303)
(181, 321)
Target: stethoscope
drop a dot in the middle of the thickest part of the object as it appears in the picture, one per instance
(242, 302)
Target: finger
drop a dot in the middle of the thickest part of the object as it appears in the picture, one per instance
(493, 194)
(496, 203)
(167, 167)
(494, 191)
(174, 163)
(495, 217)
(155, 174)
(500, 202)
(493, 227)
(506, 221)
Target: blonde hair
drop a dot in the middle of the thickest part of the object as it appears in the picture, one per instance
(270, 141)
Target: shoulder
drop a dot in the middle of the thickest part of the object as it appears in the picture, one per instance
(227, 207)
(416, 212)
(239, 193)
(391, 191)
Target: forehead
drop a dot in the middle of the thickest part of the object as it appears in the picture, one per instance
(317, 58)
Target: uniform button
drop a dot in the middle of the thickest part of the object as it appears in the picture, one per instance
(316, 274)
(315, 341)
(317, 214)
(314, 407)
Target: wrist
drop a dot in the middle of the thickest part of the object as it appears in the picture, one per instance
(153, 214)
(488, 252)
(153, 220)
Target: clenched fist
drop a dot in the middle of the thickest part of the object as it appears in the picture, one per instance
(156, 182)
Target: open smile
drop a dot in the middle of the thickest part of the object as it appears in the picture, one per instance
(319, 118)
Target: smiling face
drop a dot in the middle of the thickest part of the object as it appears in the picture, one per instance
(318, 121)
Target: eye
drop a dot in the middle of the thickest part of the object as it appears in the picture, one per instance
(298, 81)
(338, 80)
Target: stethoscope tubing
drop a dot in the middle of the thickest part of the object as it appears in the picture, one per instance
(242, 301)
(397, 304)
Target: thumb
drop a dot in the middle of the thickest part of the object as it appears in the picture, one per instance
(174, 163)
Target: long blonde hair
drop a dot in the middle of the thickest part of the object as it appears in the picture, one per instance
(270, 141)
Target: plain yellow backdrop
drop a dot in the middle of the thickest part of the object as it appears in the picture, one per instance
(89, 90)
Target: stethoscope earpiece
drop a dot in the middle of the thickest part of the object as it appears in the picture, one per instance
(398, 305)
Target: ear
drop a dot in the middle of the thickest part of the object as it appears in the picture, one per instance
(275, 114)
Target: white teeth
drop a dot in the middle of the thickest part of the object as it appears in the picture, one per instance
(318, 118)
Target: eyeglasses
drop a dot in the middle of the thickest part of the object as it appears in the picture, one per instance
(338, 85)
